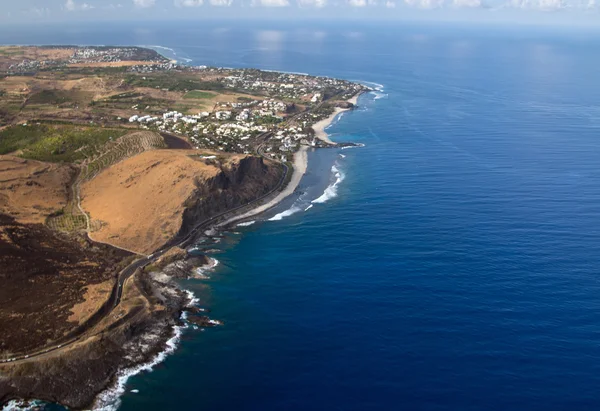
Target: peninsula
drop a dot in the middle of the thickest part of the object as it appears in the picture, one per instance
(112, 161)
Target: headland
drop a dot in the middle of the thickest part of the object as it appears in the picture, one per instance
(112, 161)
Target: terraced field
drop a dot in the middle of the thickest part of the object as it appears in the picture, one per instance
(124, 147)
(72, 217)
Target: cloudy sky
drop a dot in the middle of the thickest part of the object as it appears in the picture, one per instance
(569, 11)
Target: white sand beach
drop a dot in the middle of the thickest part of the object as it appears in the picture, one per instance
(300, 165)
(320, 126)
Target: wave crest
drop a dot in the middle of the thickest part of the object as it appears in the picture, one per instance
(331, 191)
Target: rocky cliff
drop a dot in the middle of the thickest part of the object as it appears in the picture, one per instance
(239, 182)
(145, 201)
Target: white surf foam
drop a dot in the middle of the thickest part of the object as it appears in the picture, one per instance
(378, 95)
(331, 191)
(285, 213)
(375, 86)
(163, 48)
(20, 405)
(110, 400)
(342, 156)
(212, 264)
(309, 207)
(192, 299)
(246, 224)
(357, 145)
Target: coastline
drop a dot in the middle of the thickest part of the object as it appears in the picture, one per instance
(299, 169)
(320, 126)
(167, 341)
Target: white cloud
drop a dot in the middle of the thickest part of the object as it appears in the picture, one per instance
(70, 5)
(40, 11)
(221, 3)
(189, 3)
(425, 4)
(357, 3)
(390, 4)
(270, 3)
(143, 3)
(312, 3)
(466, 3)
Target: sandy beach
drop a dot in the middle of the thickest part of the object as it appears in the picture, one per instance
(320, 126)
(300, 165)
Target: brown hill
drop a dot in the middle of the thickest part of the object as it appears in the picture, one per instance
(140, 201)
(44, 277)
(31, 190)
(144, 201)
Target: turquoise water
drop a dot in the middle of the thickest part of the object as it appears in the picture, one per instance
(456, 266)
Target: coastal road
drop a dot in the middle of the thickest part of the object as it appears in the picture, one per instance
(116, 295)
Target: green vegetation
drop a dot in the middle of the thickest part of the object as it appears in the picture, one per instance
(56, 143)
(127, 95)
(173, 83)
(116, 151)
(49, 97)
(268, 120)
(198, 95)
(58, 97)
(68, 220)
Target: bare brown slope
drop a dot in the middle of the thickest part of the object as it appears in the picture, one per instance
(31, 190)
(140, 201)
(43, 276)
(145, 201)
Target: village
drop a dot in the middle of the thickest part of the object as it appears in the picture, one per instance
(222, 109)
(235, 127)
(279, 118)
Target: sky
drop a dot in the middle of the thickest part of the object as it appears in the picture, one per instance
(568, 12)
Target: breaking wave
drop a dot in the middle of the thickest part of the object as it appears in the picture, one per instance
(110, 400)
(173, 52)
(285, 213)
(331, 191)
(379, 95)
(201, 271)
(246, 223)
(20, 405)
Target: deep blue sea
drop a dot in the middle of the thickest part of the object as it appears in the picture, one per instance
(456, 262)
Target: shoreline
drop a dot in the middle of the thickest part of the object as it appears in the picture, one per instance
(168, 342)
(299, 169)
(300, 166)
(320, 126)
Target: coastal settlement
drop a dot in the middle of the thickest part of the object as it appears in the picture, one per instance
(112, 159)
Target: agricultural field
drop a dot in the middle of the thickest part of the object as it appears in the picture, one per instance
(197, 95)
(56, 142)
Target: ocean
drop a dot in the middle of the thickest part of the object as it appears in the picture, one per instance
(452, 263)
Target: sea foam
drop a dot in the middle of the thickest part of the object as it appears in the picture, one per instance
(201, 271)
(110, 400)
(331, 191)
(285, 213)
(246, 223)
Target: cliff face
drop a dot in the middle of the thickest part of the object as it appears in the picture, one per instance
(145, 201)
(239, 182)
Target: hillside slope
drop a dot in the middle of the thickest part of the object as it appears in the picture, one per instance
(142, 202)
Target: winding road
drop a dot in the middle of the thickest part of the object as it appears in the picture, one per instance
(117, 292)
(116, 295)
